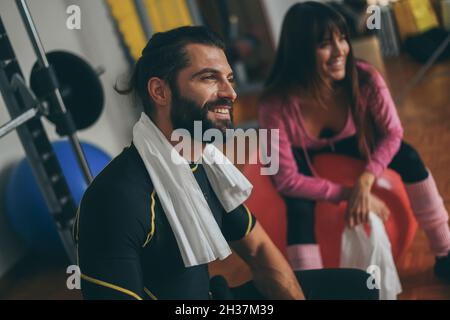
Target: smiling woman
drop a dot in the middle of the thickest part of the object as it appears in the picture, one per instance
(323, 100)
(332, 55)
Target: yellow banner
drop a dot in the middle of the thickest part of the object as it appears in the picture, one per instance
(414, 16)
(168, 14)
(127, 19)
(424, 14)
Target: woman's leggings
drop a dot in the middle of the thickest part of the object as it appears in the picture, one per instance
(300, 212)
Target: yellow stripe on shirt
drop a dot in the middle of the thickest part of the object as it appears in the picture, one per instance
(151, 295)
(152, 230)
(110, 286)
(250, 220)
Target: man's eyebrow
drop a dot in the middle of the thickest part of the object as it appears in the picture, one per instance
(209, 70)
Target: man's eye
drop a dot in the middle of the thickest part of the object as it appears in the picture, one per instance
(231, 80)
(211, 77)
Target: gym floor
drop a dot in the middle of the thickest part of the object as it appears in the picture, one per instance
(425, 114)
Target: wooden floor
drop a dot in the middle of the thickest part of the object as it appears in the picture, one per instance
(425, 115)
(34, 279)
(426, 118)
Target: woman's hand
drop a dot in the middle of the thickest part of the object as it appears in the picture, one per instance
(358, 206)
(379, 208)
(361, 201)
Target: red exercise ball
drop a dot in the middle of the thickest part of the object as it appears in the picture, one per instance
(269, 208)
(400, 227)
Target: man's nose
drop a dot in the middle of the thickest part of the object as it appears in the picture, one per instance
(227, 91)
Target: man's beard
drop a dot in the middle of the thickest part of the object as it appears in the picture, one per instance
(185, 112)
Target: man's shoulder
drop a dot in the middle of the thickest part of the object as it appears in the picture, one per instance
(124, 177)
(118, 201)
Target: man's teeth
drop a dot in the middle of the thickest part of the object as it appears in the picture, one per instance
(221, 110)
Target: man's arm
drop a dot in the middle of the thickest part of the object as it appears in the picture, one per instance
(272, 274)
(110, 239)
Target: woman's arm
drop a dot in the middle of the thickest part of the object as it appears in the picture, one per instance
(382, 108)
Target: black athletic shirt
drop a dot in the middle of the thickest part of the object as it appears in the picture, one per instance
(126, 247)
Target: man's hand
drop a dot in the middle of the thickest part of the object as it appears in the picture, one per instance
(272, 274)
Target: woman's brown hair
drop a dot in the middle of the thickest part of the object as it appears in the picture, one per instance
(304, 27)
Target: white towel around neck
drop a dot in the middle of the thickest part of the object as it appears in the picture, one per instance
(198, 236)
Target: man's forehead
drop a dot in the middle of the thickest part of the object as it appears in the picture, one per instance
(207, 57)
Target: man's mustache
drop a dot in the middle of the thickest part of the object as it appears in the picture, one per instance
(219, 102)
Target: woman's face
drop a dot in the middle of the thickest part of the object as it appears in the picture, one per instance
(331, 57)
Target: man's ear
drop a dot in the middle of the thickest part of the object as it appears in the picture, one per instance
(159, 91)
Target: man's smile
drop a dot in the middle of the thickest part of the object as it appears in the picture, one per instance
(221, 112)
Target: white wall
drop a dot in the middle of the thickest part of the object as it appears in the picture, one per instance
(99, 45)
(275, 11)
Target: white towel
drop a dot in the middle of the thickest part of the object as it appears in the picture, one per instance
(372, 254)
(198, 236)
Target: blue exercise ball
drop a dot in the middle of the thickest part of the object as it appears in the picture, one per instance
(26, 208)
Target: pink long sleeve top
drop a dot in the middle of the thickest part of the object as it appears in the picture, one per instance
(286, 116)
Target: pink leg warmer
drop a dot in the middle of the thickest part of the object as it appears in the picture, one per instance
(304, 257)
(430, 213)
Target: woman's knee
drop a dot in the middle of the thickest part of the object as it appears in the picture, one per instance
(408, 163)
